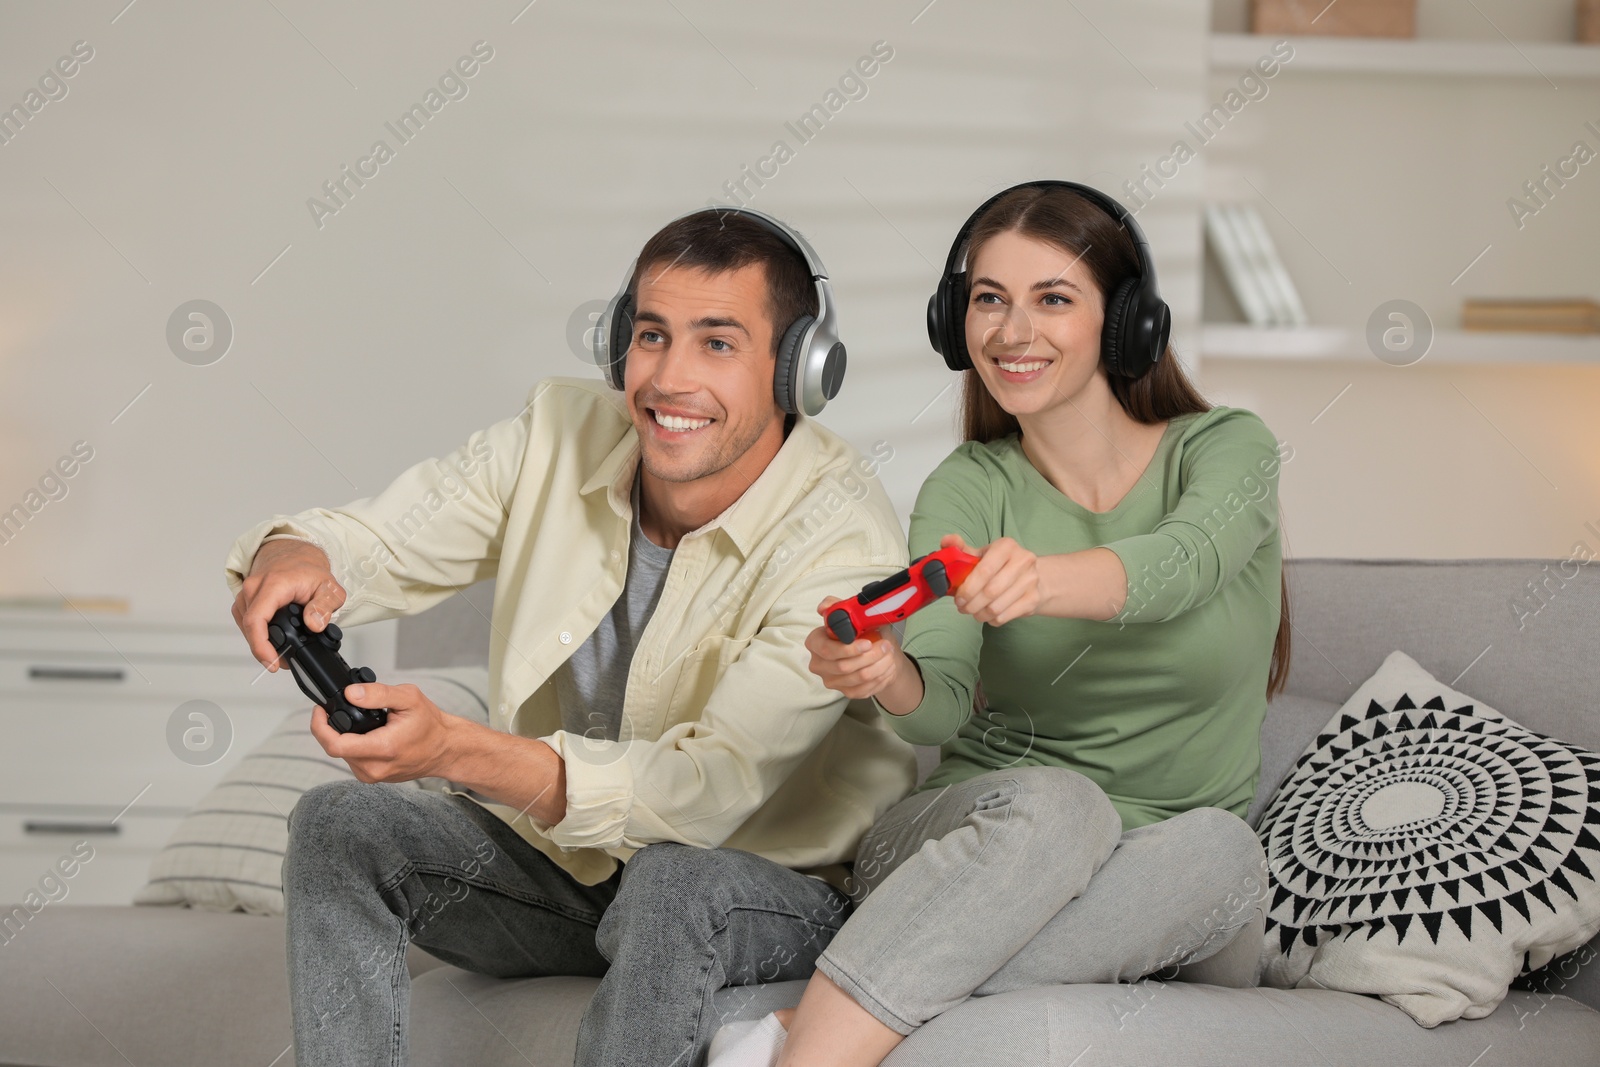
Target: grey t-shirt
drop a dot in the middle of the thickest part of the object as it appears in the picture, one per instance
(591, 683)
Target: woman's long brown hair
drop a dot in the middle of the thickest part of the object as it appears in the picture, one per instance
(1072, 223)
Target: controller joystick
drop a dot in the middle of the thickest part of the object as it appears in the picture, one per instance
(321, 672)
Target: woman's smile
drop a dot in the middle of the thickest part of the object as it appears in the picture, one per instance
(1020, 369)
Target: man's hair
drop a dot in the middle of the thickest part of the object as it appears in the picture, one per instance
(716, 241)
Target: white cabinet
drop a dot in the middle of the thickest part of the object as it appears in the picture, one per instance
(113, 728)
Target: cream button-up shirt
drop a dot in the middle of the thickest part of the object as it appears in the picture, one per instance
(726, 738)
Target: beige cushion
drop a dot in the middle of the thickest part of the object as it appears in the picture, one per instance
(227, 854)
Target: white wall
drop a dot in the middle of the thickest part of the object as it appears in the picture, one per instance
(180, 163)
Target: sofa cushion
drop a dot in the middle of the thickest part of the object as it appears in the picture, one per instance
(85, 985)
(1177, 1024)
(1574, 975)
(1292, 721)
(1522, 631)
(227, 854)
(1428, 849)
(459, 1017)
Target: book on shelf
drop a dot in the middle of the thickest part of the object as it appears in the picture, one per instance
(1574, 315)
(1349, 18)
(1251, 264)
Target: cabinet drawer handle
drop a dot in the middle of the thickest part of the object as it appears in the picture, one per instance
(36, 826)
(76, 674)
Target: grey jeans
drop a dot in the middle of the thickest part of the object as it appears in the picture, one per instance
(370, 868)
(1024, 877)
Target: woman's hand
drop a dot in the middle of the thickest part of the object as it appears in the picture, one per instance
(870, 666)
(1006, 584)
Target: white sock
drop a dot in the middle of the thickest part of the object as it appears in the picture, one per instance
(748, 1044)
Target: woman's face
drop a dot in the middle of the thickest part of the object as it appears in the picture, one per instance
(1033, 322)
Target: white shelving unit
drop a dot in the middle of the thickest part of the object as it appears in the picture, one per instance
(1478, 59)
(1392, 62)
(89, 764)
(1235, 341)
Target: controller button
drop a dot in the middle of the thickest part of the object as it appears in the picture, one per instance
(333, 631)
(364, 674)
(873, 590)
(839, 622)
(274, 635)
(341, 721)
(327, 640)
(296, 610)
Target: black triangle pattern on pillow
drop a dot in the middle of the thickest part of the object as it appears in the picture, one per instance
(1502, 822)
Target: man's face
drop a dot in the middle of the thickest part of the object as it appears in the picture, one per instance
(699, 372)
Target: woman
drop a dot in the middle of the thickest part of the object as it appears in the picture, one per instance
(1129, 622)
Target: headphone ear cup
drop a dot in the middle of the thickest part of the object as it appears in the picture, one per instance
(936, 326)
(786, 373)
(949, 315)
(1137, 326)
(1113, 338)
(619, 335)
(1150, 323)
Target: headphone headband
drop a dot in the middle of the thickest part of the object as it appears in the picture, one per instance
(1137, 321)
(810, 361)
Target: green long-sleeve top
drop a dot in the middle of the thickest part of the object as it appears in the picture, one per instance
(1161, 705)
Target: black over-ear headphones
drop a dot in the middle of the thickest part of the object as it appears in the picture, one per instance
(1137, 322)
(811, 358)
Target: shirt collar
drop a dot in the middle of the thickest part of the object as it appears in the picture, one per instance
(769, 497)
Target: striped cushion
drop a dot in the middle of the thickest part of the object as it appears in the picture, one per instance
(227, 854)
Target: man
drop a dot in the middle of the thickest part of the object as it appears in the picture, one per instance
(659, 558)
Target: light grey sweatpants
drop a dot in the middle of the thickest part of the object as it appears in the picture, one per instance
(1024, 877)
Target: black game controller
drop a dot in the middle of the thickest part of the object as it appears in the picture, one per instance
(321, 672)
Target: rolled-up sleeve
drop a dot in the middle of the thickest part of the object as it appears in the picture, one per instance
(1228, 509)
(700, 780)
(956, 499)
(436, 528)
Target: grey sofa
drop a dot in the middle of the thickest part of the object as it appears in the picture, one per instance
(166, 987)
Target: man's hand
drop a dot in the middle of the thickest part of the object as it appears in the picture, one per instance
(285, 572)
(414, 743)
(420, 740)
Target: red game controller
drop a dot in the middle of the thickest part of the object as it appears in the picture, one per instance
(894, 598)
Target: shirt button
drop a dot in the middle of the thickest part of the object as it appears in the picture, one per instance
(566, 638)
(615, 555)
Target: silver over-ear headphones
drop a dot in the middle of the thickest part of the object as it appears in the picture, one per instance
(811, 358)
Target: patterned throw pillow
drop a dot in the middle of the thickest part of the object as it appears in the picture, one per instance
(1427, 849)
(227, 854)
